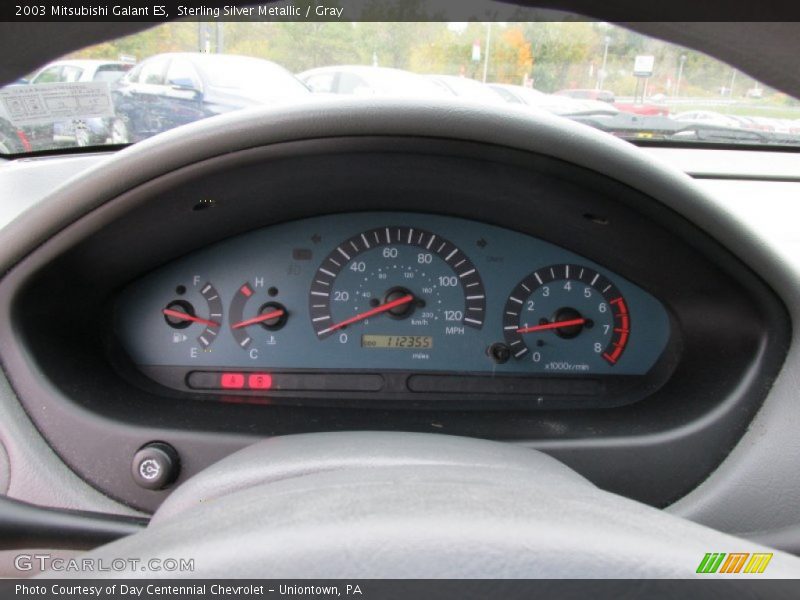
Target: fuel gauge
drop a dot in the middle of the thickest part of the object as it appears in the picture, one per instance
(181, 314)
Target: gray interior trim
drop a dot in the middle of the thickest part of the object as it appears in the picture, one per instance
(37, 474)
(710, 163)
(5, 469)
(23, 182)
(290, 457)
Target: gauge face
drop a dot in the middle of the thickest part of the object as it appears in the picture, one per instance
(398, 287)
(181, 313)
(566, 318)
(254, 312)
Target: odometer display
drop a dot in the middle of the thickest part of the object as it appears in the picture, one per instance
(409, 342)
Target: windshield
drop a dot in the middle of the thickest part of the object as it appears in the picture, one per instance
(595, 73)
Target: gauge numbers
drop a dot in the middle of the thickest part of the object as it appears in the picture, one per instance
(397, 281)
(566, 318)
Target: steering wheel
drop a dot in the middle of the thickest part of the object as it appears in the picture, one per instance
(395, 505)
(398, 505)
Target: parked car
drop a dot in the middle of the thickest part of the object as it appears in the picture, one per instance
(467, 88)
(586, 94)
(370, 81)
(559, 105)
(649, 108)
(90, 131)
(709, 117)
(12, 139)
(70, 71)
(168, 90)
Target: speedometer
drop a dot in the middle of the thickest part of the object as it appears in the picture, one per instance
(399, 288)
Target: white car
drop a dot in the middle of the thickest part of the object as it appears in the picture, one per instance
(466, 88)
(708, 117)
(370, 81)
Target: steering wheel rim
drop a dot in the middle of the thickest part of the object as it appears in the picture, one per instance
(401, 505)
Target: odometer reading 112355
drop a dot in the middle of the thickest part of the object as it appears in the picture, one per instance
(408, 342)
(410, 283)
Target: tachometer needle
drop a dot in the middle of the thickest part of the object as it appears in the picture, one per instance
(259, 319)
(555, 325)
(370, 313)
(187, 317)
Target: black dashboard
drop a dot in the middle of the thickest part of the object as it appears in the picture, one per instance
(496, 293)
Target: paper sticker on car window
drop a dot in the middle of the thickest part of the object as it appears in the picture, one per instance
(50, 102)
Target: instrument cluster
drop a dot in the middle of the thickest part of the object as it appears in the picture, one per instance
(396, 306)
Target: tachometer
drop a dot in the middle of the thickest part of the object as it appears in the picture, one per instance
(566, 318)
(401, 286)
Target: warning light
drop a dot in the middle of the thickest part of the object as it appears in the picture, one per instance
(232, 381)
(259, 381)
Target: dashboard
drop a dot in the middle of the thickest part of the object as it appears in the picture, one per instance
(510, 289)
(396, 305)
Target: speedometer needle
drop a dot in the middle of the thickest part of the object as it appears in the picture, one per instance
(259, 319)
(375, 311)
(555, 325)
(187, 317)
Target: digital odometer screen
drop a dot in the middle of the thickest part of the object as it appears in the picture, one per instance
(412, 342)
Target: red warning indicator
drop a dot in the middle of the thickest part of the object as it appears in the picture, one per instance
(232, 381)
(259, 381)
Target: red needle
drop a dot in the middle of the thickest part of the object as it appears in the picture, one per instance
(187, 317)
(556, 325)
(375, 311)
(259, 319)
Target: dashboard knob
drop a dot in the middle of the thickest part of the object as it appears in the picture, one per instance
(155, 466)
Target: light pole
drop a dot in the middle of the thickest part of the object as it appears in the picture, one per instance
(220, 37)
(733, 81)
(601, 74)
(681, 61)
(486, 58)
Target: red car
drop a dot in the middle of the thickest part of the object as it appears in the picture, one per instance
(647, 108)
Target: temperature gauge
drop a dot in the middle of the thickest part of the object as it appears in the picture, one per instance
(248, 313)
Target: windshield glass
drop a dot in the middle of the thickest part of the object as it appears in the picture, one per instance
(602, 75)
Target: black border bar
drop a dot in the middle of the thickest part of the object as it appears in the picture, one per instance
(397, 10)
